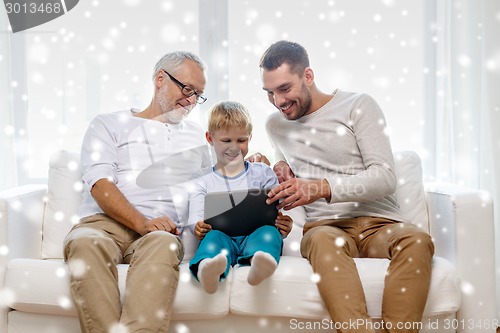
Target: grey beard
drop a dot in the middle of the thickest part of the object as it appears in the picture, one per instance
(175, 116)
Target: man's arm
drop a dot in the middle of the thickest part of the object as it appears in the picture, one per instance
(115, 205)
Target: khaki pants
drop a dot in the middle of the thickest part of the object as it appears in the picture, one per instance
(92, 250)
(330, 245)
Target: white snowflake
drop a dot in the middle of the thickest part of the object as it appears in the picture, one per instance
(77, 267)
(315, 278)
(64, 302)
(467, 288)
(339, 241)
(118, 328)
(181, 328)
(7, 297)
(4, 250)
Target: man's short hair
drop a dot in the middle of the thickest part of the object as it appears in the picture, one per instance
(285, 52)
(229, 114)
(171, 61)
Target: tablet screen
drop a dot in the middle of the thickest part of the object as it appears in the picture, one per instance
(239, 213)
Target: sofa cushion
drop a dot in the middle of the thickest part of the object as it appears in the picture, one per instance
(273, 296)
(42, 286)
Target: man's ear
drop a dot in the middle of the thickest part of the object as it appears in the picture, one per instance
(159, 79)
(209, 138)
(250, 137)
(308, 75)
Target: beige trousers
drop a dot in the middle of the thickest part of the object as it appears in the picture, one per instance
(330, 245)
(92, 250)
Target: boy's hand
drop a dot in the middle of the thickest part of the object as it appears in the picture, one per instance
(201, 229)
(258, 157)
(284, 223)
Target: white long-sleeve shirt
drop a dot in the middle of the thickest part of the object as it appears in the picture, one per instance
(149, 161)
(345, 142)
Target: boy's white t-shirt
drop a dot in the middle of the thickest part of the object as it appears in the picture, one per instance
(255, 175)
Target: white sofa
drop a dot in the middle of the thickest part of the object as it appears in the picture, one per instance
(34, 282)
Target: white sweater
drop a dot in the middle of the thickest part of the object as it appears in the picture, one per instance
(149, 161)
(345, 142)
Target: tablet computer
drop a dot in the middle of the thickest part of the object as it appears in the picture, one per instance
(239, 213)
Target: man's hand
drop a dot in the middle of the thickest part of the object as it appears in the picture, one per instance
(159, 223)
(284, 223)
(297, 192)
(283, 171)
(201, 229)
(258, 157)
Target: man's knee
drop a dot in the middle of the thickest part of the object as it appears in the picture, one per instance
(88, 251)
(412, 237)
(82, 241)
(328, 239)
(163, 243)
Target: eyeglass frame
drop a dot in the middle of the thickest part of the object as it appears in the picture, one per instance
(200, 99)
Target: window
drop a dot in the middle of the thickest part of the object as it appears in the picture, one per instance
(97, 58)
(373, 47)
(100, 55)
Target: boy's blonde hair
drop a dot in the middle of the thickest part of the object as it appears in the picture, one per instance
(229, 114)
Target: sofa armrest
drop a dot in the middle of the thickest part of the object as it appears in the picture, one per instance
(462, 227)
(21, 219)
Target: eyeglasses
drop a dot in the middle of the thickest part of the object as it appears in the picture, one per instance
(187, 90)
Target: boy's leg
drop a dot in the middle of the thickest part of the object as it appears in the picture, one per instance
(266, 239)
(214, 243)
(210, 271)
(262, 249)
(262, 266)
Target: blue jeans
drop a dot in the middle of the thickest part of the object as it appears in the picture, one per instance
(238, 249)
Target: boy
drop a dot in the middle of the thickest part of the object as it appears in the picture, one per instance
(229, 131)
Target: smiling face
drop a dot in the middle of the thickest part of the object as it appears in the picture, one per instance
(230, 145)
(288, 91)
(173, 105)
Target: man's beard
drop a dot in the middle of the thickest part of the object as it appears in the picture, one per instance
(303, 104)
(171, 114)
(177, 115)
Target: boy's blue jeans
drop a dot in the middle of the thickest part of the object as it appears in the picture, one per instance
(238, 249)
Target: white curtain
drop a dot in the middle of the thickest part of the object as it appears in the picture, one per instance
(462, 91)
(8, 176)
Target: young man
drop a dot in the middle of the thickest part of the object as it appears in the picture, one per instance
(229, 132)
(133, 163)
(336, 160)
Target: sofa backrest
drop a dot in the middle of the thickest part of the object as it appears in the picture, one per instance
(65, 195)
(410, 191)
